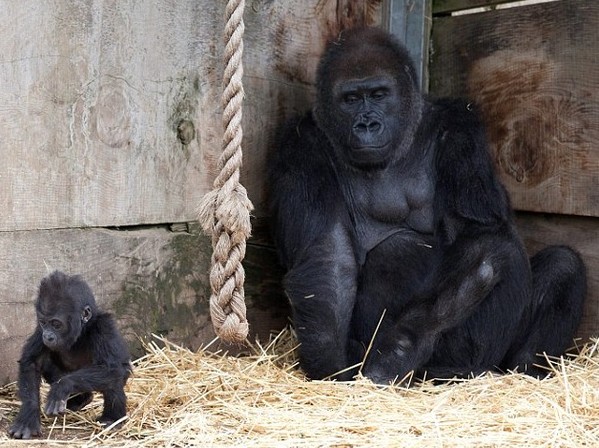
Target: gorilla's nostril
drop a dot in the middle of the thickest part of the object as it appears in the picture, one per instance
(361, 127)
(374, 126)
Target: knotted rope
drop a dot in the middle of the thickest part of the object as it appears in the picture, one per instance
(225, 211)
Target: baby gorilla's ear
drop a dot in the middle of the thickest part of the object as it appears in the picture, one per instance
(86, 314)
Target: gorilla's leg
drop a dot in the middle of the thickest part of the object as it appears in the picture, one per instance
(466, 277)
(409, 343)
(115, 405)
(559, 289)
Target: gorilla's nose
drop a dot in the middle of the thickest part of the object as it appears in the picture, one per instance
(367, 124)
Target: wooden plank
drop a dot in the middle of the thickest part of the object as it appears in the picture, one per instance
(538, 231)
(93, 94)
(411, 23)
(536, 78)
(446, 6)
(154, 280)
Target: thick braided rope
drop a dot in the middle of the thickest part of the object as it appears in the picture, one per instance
(225, 211)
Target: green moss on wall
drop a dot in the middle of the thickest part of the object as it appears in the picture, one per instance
(170, 298)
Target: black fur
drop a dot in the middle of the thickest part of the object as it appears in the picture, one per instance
(77, 349)
(386, 205)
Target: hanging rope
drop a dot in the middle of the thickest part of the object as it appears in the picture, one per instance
(225, 211)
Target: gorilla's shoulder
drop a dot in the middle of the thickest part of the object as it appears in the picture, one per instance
(459, 126)
(302, 129)
(300, 142)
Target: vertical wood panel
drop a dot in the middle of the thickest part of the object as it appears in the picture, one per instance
(411, 22)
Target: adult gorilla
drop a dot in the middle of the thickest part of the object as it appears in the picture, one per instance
(395, 230)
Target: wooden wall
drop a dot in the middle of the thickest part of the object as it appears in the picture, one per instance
(534, 72)
(96, 179)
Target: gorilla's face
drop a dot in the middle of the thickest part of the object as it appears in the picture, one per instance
(367, 115)
(63, 308)
(368, 103)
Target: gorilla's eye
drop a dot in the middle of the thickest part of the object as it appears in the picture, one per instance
(56, 324)
(379, 94)
(42, 322)
(350, 98)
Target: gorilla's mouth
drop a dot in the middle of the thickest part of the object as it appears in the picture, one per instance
(368, 148)
(369, 155)
(369, 142)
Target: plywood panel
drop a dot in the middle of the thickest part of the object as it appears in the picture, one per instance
(91, 93)
(534, 72)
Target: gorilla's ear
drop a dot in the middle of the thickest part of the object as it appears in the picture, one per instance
(86, 314)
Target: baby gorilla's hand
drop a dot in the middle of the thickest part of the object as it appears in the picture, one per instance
(57, 400)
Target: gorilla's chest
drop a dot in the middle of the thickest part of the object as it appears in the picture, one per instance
(72, 360)
(391, 203)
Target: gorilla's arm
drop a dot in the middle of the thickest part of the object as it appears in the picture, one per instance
(467, 189)
(304, 194)
(472, 215)
(473, 223)
(27, 423)
(312, 235)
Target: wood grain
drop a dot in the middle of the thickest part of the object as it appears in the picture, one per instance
(447, 6)
(536, 79)
(93, 93)
(91, 96)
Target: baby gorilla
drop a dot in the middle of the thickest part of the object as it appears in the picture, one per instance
(77, 349)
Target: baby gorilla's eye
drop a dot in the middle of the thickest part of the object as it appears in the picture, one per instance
(56, 324)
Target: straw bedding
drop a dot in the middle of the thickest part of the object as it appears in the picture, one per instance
(181, 398)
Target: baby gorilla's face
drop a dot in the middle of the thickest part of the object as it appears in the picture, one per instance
(55, 331)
